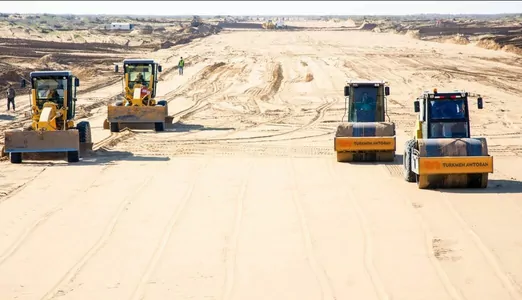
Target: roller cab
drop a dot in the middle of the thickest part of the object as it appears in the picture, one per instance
(365, 136)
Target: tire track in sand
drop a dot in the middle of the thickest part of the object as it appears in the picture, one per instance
(378, 285)
(488, 255)
(140, 290)
(69, 277)
(231, 253)
(11, 250)
(327, 291)
(320, 112)
(450, 288)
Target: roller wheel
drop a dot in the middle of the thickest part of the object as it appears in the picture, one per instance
(409, 175)
(159, 126)
(73, 156)
(478, 181)
(115, 127)
(84, 130)
(16, 158)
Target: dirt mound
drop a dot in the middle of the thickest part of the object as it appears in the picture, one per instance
(188, 34)
(47, 59)
(413, 34)
(491, 44)
(13, 75)
(367, 26)
(211, 69)
(458, 39)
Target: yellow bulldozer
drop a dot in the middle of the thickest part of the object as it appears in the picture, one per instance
(139, 108)
(365, 136)
(442, 154)
(269, 25)
(52, 130)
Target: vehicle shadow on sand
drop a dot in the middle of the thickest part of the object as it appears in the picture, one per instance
(7, 118)
(182, 127)
(396, 162)
(495, 186)
(94, 158)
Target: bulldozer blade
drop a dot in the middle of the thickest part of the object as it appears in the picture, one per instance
(105, 124)
(18, 141)
(144, 126)
(136, 114)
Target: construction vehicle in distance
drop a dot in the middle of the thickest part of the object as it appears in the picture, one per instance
(442, 154)
(52, 130)
(139, 108)
(196, 21)
(271, 25)
(268, 25)
(366, 136)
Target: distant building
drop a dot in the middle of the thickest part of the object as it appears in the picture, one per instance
(120, 26)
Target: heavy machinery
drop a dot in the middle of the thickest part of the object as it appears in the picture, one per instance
(196, 21)
(53, 107)
(366, 136)
(442, 154)
(140, 81)
(269, 25)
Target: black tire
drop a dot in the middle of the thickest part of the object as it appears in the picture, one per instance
(115, 127)
(73, 156)
(165, 104)
(16, 158)
(408, 174)
(84, 130)
(160, 126)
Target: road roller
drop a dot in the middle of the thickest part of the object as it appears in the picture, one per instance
(442, 154)
(139, 108)
(365, 136)
(53, 132)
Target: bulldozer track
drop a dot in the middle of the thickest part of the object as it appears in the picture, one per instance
(320, 111)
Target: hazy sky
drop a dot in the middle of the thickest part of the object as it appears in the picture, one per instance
(261, 7)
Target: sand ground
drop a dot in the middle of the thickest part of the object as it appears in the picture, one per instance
(243, 199)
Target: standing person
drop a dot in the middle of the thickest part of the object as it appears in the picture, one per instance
(181, 65)
(10, 97)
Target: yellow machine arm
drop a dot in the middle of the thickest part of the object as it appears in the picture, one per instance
(47, 118)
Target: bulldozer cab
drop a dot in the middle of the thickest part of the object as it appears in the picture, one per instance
(443, 115)
(58, 87)
(366, 100)
(140, 73)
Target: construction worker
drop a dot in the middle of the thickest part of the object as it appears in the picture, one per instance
(11, 97)
(181, 65)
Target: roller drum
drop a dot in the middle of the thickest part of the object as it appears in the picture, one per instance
(369, 134)
(453, 148)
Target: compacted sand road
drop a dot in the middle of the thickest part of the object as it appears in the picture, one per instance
(243, 199)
